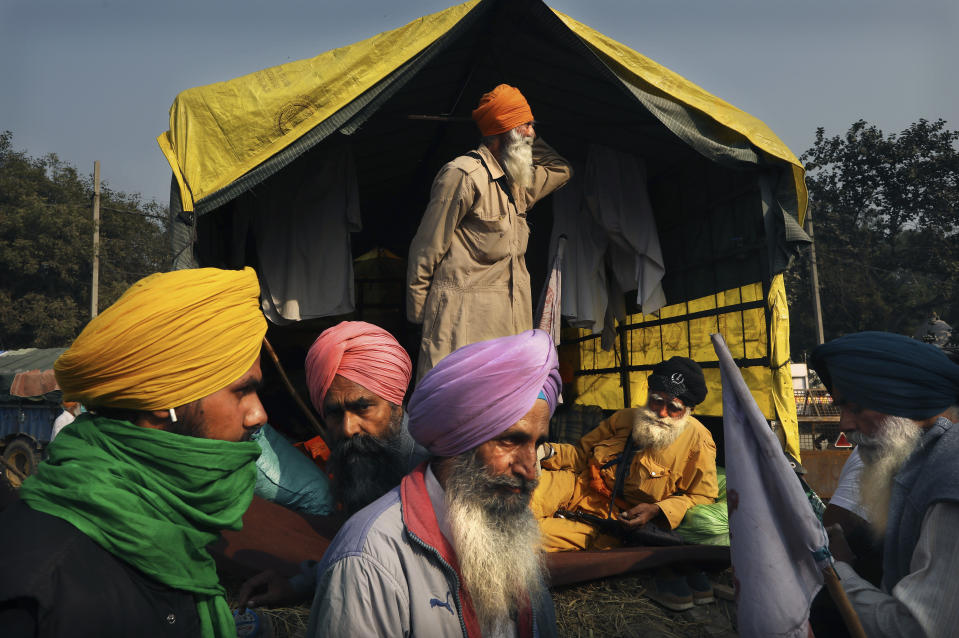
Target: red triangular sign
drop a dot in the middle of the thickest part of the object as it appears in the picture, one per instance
(842, 441)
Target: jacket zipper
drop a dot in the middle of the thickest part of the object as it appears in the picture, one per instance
(450, 572)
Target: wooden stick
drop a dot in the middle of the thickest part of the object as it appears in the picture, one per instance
(839, 597)
(293, 393)
(441, 118)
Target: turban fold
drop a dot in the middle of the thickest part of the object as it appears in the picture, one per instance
(502, 109)
(680, 376)
(482, 390)
(363, 353)
(889, 373)
(172, 338)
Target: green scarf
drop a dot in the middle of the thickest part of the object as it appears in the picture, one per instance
(153, 499)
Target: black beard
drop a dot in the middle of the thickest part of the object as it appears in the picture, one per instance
(365, 468)
(470, 480)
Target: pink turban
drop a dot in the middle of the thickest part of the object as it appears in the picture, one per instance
(482, 390)
(363, 353)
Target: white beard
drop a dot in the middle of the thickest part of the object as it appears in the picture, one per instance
(517, 159)
(498, 543)
(882, 456)
(650, 431)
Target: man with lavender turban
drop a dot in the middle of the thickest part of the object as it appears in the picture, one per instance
(455, 549)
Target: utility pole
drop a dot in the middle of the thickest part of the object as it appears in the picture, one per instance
(816, 307)
(95, 288)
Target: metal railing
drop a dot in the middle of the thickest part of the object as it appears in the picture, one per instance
(814, 402)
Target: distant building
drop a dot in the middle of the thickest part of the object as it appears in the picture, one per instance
(934, 331)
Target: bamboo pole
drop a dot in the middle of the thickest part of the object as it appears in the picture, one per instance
(839, 597)
(95, 283)
(317, 426)
(814, 280)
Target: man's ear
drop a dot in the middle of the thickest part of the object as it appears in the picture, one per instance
(156, 419)
(441, 470)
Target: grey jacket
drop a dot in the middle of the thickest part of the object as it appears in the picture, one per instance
(391, 572)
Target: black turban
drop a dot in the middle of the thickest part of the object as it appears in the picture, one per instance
(681, 377)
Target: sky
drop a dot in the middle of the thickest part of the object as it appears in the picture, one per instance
(94, 79)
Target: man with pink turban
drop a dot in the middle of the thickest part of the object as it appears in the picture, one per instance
(455, 550)
(357, 374)
(466, 276)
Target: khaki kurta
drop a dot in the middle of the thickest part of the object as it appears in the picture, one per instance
(467, 279)
(674, 478)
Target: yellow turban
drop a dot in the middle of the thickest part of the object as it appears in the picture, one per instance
(170, 339)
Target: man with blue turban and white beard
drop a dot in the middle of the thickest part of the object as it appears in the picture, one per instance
(897, 398)
(455, 550)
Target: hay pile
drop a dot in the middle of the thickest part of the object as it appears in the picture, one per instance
(612, 608)
(618, 608)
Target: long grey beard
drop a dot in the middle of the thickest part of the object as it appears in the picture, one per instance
(882, 456)
(498, 542)
(517, 159)
(650, 431)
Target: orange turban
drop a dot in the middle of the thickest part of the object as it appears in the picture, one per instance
(364, 354)
(502, 109)
(172, 338)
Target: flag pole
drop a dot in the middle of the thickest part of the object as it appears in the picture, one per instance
(838, 595)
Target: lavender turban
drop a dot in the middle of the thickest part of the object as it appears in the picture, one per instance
(482, 390)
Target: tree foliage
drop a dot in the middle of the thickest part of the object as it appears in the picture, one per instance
(46, 247)
(886, 231)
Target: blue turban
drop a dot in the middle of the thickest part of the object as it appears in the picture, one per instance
(889, 373)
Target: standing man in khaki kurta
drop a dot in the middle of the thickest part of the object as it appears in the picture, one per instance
(467, 279)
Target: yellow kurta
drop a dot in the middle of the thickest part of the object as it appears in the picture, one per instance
(466, 278)
(675, 478)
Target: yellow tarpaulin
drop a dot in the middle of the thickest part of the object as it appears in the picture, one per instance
(221, 131)
(640, 70)
(745, 334)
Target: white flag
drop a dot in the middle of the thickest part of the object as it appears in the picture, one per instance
(778, 546)
(549, 302)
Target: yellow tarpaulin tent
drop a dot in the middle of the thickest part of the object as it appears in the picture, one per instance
(402, 99)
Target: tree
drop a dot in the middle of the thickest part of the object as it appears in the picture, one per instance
(46, 247)
(886, 230)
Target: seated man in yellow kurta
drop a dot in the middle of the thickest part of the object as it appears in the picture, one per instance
(669, 466)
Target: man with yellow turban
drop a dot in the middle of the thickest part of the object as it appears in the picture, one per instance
(109, 536)
(466, 276)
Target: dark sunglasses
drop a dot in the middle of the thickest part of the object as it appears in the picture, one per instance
(674, 408)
